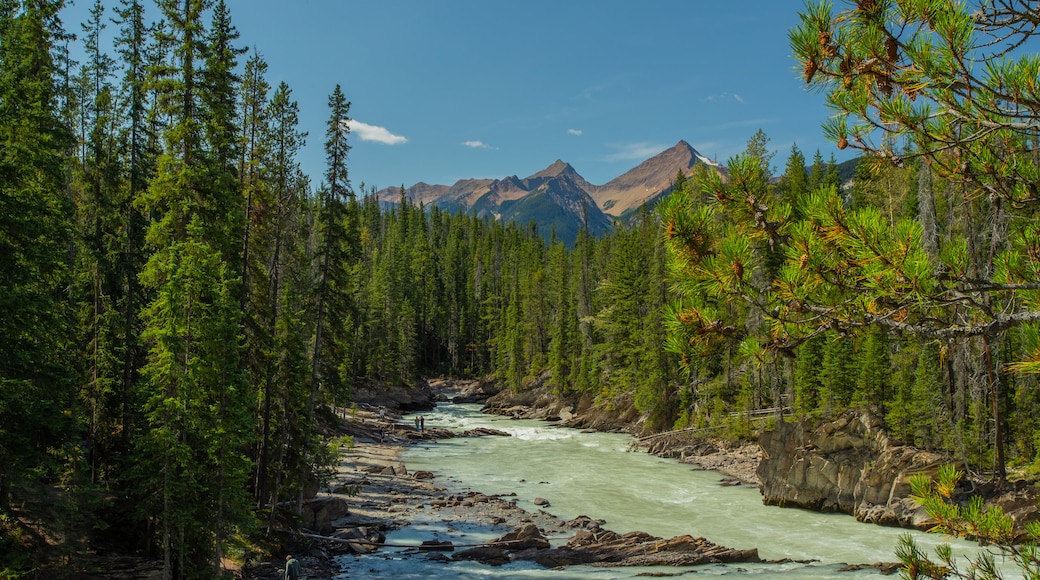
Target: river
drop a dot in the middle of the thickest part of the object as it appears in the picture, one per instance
(595, 474)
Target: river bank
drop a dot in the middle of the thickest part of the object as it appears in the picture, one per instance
(392, 499)
(374, 494)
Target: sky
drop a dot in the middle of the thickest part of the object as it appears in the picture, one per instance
(443, 90)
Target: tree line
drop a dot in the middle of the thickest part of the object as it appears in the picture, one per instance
(182, 307)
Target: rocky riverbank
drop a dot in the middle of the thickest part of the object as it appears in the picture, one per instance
(374, 493)
(737, 461)
(831, 466)
(848, 464)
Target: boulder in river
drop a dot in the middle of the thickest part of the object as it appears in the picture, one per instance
(490, 555)
(598, 546)
(522, 538)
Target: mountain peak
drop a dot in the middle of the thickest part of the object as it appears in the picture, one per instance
(559, 167)
(686, 149)
(648, 180)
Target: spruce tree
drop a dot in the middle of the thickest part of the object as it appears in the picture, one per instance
(563, 323)
(873, 360)
(196, 392)
(807, 385)
(333, 284)
(98, 197)
(37, 373)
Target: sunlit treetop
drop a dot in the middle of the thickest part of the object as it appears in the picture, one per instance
(957, 83)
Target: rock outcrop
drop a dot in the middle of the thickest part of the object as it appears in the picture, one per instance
(596, 546)
(417, 397)
(319, 513)
(574, 410)
(848, 465)
(465, 390)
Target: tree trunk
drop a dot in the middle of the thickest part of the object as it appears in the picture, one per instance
(998, 430)
(926, 212)
(5, 490)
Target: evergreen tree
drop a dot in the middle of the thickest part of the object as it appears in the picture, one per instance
(253, 148)
(36, 375)
(98, 197)
(277, 225)
(196, 392)
(807, 385)
(837, 379)
(138, 158)
(795, 181)
(333, 299)
(563, 325)
(900, 97)
(872, 383)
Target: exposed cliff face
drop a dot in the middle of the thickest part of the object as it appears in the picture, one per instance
(848, 465)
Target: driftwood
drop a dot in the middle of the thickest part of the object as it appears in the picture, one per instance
(425, 546)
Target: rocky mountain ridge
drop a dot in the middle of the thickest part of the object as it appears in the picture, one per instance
(558, 199)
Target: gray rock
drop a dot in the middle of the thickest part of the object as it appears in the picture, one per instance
(848, 465)
(320, 512)
(522, 538)
(484, 554)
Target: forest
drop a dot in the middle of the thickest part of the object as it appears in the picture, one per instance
(182, 308)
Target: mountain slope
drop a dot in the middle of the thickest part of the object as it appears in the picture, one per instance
(558, 197)
(558, 205)
(647, 181)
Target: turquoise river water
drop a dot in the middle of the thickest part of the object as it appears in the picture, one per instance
(595, 474)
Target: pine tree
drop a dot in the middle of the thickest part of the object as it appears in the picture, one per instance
(900, 97)
(807, 385)
(138, 159)
(98, 196)
(837, 378)
(563, 325)
(36, 377)
(254, 146)
(277, 225)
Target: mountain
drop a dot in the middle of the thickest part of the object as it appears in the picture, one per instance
(558, 198)
(647, 181)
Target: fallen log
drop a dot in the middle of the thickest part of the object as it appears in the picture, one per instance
(436, 545)
(425, 545)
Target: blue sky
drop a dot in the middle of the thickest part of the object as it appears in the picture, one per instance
(443, 90)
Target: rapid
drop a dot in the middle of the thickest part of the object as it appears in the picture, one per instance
(597, 475)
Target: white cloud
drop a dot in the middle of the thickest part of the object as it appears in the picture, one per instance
(476, 144)
(574, 131)
(633, 151)
(373, 133)
(725, 97)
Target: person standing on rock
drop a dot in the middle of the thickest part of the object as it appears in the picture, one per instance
(292, 568)
(422, 423)
(416, 423)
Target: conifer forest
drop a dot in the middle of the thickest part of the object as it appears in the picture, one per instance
(182, 308)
